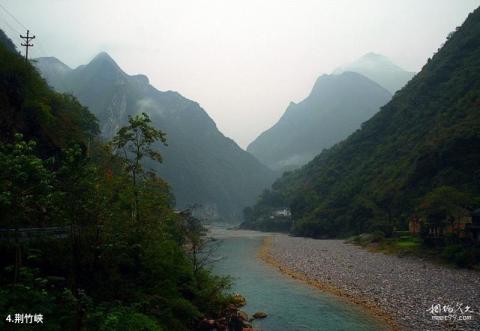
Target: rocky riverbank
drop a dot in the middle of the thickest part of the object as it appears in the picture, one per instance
(233, 318)
(407, 293)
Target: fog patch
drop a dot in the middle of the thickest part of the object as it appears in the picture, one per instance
(149, 106)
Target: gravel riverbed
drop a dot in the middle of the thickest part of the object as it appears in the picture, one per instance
(404, 288)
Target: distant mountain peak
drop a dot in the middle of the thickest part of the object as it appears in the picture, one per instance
(103, 59)
(371, 60)
(374, 55)
(377, 59)
(103, 56)
(335, 107)
(380, 69)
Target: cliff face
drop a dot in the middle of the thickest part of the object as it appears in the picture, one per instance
(201, 164)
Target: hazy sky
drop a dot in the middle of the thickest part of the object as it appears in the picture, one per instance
(243, 60)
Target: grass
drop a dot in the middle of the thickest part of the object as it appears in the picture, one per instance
(405, 244)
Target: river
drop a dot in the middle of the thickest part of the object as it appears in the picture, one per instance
(290, 304)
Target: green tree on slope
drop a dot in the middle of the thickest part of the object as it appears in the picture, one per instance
(132, 143)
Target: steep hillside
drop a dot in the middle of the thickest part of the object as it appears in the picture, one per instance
(426, 137)
(29, 107)
(203, 166)
(7, 42)
(335, 108)
(379, 69)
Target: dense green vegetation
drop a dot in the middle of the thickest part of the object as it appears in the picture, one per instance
(422, 146)
(116, 256)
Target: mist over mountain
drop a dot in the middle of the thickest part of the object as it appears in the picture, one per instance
(201, 164)
(379, 69)
(335, 108)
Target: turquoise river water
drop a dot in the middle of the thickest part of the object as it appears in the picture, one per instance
(291, 305)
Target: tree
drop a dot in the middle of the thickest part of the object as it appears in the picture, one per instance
(132, 143)
(25, 189)
(198, 245)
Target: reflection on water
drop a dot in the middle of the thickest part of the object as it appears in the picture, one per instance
(291, 305)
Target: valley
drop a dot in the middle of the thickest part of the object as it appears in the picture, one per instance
(247, 166)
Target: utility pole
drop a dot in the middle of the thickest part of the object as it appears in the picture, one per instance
(27, 43)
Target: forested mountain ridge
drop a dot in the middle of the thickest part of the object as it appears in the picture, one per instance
(379, 69)
(335, 108)
(201, 164)
(426, 137)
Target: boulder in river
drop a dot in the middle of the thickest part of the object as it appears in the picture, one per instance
(243, 315)
(246, 325)
(260, 314)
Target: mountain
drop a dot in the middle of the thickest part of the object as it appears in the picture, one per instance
(379, 69)
(201, 164)
(335, 108)
(427, 137)
(54, 71)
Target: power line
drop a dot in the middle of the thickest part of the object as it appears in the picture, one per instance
(12, 16)
(11, 27)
